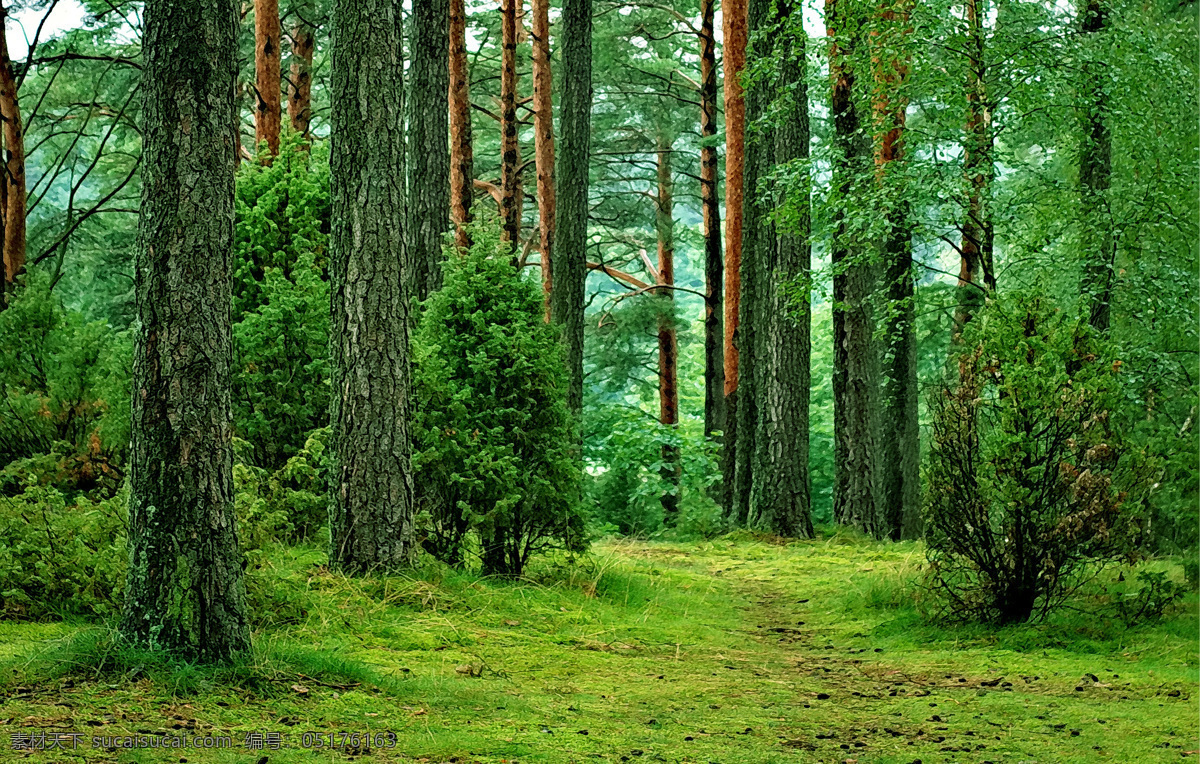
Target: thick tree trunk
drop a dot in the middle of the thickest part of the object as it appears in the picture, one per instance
(1095, 174)
(371, 512)
(856, 494)
(734, 21)
(901, 489)
(668, 348)
(267, 34)
(976, 276)
(543, 137)
(428, 144)
(462, 154)
(710, 203)
(571, 176)
(184, 590)
(510, 148)
(780, 496)
(304, 45)
(14, 166)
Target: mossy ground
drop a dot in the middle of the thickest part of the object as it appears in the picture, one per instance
(735, 650)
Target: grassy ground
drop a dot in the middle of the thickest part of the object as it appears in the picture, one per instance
(729, 651)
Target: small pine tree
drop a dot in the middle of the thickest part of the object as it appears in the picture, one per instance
(494, 439)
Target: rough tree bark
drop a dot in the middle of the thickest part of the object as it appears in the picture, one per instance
(428, 144)
(571, 175)
(901, 489)
(1095, 176)
(510, 148)
(267, 83)
(856, 494)
(14, 167)
(710, 204)
(184, 590)
(976, 277)
(304, 45)
(371, 511)
(780, 495)
(543, 139)
(734, 20)
(668, 347)
(462, 153)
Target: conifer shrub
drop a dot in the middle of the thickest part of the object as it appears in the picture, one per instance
(494, 443)
(1030, 488)
(281, 302)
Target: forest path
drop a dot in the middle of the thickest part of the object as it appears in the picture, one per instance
(872, 682)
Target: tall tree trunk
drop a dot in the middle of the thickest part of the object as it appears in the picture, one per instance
(856, 494)
(1095, 174)
(734, 21)
(710, 203)
(184, 590)
(428, 200)
(14, 166)
(901, 489)
(510, 148)
(571, 176)
(371, 510)
(462, 153)
(668, 348)
(267, 33)
(543, 137)
(976, 276)
(758, 151)
(780, 495)
(304, 45)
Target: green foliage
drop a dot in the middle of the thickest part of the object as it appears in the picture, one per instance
(495, 452)
(1157, 596)
(281, 302)
(59, 559)
(64, 416)
(1029, 482)
(289, 505)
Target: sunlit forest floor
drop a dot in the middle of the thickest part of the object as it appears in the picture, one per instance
(734, 650)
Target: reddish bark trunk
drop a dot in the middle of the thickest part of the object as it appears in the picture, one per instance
(304, 44)
(267, 32)
(543, 134)
(462, 155)
(14, 170)
(668, 347)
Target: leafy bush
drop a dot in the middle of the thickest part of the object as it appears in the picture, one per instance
(281, 302)
(495, 454)
(1029, 485)
(64, 393)
(289, 505)
(60, 559)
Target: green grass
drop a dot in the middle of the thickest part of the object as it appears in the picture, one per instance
(734, 650)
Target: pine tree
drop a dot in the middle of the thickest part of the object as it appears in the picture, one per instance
(185, 590)
(371, 512)
(428, 144)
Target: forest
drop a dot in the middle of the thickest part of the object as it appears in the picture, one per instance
(750, 381)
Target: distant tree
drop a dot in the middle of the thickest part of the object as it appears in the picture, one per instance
(428, 144)
(1095, 174)
(371, 510)
(185, 590)
(856, 494)
(13, 193)
(300, 81)
(462, 171)
(571, 175)
(267, 77)
(543, 137)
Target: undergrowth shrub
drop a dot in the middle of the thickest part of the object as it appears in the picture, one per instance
(494, 440)
(64, 394)
(289, 505)
(281, 301)
(1030, 487)
(58, 558)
